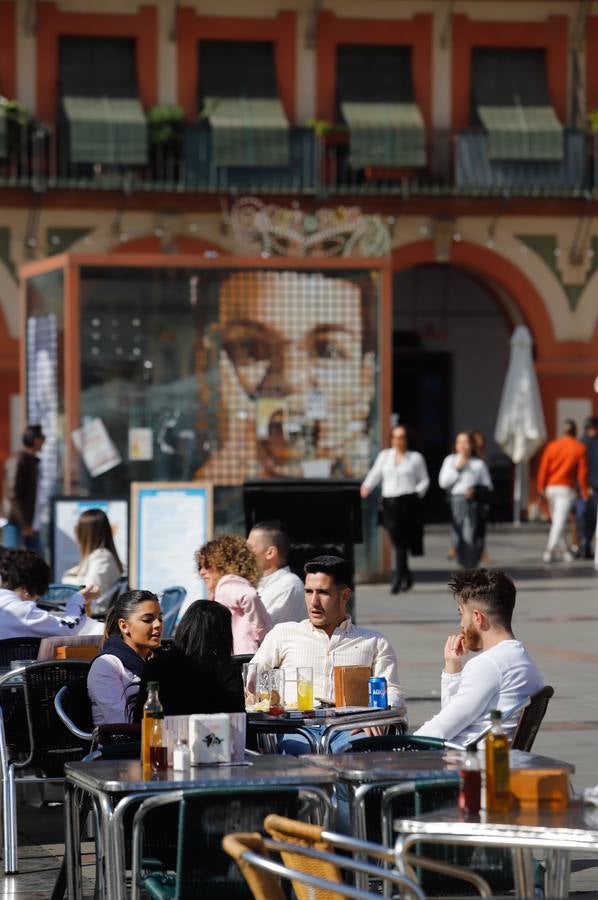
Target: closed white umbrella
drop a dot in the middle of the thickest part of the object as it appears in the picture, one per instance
(520, 427)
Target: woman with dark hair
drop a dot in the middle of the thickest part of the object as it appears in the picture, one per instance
(25, 578)
(405, 480)
(133, 633)
(467, 481)
(99, 561)
(197, 675)
(229, 568)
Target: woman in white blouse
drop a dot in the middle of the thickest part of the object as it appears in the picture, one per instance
(466, 479)
(99, 561)
(405, 480)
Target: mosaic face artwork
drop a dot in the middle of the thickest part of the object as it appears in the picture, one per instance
(287, 370)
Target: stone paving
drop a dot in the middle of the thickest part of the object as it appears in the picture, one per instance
(556, 616)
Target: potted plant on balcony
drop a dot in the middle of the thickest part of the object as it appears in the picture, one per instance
(165, 127)
(17, 121)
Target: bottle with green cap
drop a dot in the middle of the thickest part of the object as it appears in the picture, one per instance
(498, 796)
(152, 709)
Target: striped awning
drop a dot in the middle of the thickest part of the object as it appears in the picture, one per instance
(385, 134)
(248, 131)
(522, 132)
(106, 130)
(3, 138)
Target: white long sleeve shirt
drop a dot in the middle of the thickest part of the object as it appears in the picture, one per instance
(100, 568)
(283, 594)
(22, 618)
(498, 678)
(409, 476)
(457, 481)
(301, 644)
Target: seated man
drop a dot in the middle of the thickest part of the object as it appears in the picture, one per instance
(328, 638)
(280, 590)
(500, 677)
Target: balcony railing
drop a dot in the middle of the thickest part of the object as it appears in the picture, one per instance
(458, 165)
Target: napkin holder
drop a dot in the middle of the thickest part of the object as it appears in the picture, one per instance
(210, 739)
(351, 685)
(540, 788)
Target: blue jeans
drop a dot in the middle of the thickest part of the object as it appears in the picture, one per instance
(297, 745)
(12, 537)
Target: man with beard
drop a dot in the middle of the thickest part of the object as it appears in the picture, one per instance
(500, 677)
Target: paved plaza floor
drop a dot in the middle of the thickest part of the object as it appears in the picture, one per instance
(556, 616)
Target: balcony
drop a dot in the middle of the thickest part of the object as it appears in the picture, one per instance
(458, 166)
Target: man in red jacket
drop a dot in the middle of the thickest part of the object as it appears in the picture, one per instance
(563, 468)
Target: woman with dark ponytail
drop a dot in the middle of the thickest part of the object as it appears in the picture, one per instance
(133, 632)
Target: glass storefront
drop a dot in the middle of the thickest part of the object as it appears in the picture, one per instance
(223, 374)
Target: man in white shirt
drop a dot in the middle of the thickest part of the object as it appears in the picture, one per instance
(500, 677)
(328, 638)
(280, 590)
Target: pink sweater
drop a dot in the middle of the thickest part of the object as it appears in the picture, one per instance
(251, 621)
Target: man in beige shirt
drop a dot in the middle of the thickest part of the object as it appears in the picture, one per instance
(328, 637)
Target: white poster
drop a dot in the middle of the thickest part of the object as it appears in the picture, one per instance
(96, 447)
(65, 552)
(169, 522)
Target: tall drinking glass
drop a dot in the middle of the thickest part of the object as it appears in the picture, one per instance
(276, 707)
(250, 685)
(305, 687)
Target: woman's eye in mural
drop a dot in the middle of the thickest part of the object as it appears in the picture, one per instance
(327, 349)
(246, 345)
(328, 343)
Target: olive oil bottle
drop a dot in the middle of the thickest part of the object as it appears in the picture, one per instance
(498, 796)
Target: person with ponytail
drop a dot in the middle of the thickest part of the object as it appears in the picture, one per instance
(133, 632)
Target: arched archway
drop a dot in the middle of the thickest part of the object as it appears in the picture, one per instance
(451, 326)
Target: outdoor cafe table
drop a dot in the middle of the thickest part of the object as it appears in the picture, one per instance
(361, 772)
(331, 723)
(115, 784)
(558, 832)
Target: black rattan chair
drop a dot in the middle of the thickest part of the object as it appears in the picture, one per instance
(49, 743)
(12, 649)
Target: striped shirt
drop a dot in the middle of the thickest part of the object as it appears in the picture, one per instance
(292, 644)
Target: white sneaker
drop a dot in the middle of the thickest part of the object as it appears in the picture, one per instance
(547, 556)
(568, 556)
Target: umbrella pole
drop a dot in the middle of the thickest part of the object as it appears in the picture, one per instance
(517, 490)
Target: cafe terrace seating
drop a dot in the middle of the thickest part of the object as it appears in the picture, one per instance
(252, 853)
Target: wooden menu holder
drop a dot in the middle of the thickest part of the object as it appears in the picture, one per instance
(351, 685)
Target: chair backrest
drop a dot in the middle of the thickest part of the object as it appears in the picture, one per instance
(395, 743)
(73, 706)
(51, 744)
(302, 834)
(171, 601)
(109, 597)
(18, 648)
(531, 719)
(57, 594)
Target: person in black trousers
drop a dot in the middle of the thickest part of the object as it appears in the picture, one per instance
(405, 480)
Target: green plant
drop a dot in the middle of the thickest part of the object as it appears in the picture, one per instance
(164, 123)
(320, 126)
(593, 119)
(15, 111)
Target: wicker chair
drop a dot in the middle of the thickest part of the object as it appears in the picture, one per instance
(292, 834)
(49, 743)
(252, 855)
(12, 649)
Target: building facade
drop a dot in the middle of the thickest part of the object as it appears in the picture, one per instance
(440, 157)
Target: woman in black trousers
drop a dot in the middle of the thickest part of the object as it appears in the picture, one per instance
(405, 480)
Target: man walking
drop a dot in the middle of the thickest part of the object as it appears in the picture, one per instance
(563, 468)
(21, 492)
(280, 590)
(500, 677)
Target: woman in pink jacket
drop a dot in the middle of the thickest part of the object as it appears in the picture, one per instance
(229, 569)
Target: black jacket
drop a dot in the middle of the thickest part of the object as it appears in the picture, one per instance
(192, 686)
(22, 509)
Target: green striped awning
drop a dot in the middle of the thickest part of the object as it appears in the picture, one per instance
(248, 132)
(385, 134)
(522, 132)
(106, 130)
(3, 139)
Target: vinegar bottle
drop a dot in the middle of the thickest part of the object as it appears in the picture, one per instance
(498, 797)
(152, 709)
(471, 782)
